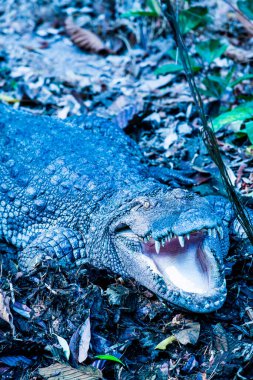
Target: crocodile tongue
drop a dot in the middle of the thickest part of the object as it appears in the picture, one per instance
(186, 267)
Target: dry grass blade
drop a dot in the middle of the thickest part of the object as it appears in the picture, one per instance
(85, 39)
(61, 371)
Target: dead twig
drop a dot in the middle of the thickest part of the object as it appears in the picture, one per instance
(244, 20)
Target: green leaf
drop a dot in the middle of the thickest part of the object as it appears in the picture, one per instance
(249, 130)
(174, 68)
(109, 357)
(169, 68)
(240, 113)
(138, 13)
(246, 7)
(241, 79)
(154, 6)
(192, 18)
(174, 54)
(215, 86)
(229, 75)
(153, 10)
(210, 50)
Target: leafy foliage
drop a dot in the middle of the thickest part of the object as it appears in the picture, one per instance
(176, 67)
(193, 18)
(216, 85)
(211, 49)
(249, 130)
(153, 10)
(246, 7)
(154, 6)
(241, 79)
(240, 113)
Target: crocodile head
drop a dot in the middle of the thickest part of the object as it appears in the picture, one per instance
(170, 243)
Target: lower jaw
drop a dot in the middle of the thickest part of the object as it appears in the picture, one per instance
(198, 303)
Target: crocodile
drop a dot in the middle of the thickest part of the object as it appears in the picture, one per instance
(78, 191)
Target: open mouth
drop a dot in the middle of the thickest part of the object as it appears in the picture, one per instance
(186, 263)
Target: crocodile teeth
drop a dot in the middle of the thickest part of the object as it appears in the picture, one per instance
(163, 242)
(220, 230)
(214, 233)
(181, 241)
(209, 231)
(188, 236)
(157, 246)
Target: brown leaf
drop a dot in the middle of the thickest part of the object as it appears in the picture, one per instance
(220, 338)
(249, 311)
(85, 39)
(188, 335)
(60, 371)
(5, 312)
(80, 341)
(238, 54)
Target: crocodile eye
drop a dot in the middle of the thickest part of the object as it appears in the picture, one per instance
(146, 204)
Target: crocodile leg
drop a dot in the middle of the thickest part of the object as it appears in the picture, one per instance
(223, 208)
(165, 175)
(60, 245)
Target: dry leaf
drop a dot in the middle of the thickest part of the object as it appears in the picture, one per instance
(60, 371)
(80, 341)
(85, 39)
(248, 25)
(164, 343)
(249, 311)
(188, 335)
(8, 99)
(220, 338)
(238, 54)
(5, 312)
(64, 345)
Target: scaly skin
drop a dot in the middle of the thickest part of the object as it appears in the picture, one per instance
(77, 191)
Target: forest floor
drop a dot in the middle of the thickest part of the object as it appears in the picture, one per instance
(131, 74)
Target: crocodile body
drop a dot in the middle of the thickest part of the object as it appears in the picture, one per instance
(77, 191)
